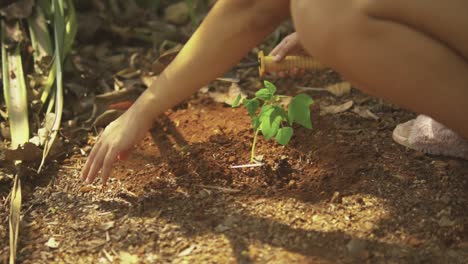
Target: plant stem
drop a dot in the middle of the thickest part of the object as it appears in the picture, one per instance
(252, 153)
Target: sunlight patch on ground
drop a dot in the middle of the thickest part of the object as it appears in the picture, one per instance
(356, 215)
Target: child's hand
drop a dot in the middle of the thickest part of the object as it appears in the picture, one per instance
(115, 143)
(288, 46)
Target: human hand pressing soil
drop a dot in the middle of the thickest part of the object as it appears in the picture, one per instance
(115, 143)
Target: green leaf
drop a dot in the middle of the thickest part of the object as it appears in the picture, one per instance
(71, 27)
(14, 91)
(59, 40)
(270, 121)
(264, 94)
(41, 42)
(236, 102)
(298, 110)
(265, 112)
(270, 126)
(15, 217)
(251, 105)
(284, 135)
(255, 123)
(280, 111)
(270, 86)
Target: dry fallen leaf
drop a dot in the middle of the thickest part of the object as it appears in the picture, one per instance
(148, 79)
(107, 117)
(285, 101)
(335, 109)
(87, 188)
(339, 89)
(15, 217)
(128, 73)
(365, 113)
(52, 243)
(44, 132)
(177, 14)
(229, 96)
(107, 226)
(18, 9)
(187, 251)
(444, 221)
(165, 59)
(26, 152)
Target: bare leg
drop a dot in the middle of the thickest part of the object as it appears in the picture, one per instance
(406, 58)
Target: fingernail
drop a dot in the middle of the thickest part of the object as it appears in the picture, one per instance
(277, 58)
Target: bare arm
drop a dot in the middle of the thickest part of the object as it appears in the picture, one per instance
(232, 28)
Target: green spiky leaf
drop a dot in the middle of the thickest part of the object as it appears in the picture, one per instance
(15, 93)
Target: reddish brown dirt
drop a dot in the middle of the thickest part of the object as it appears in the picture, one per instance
(342, 192)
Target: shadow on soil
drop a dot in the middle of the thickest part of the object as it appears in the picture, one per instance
(196, 216)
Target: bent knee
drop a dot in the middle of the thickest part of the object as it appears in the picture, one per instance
(327, 28)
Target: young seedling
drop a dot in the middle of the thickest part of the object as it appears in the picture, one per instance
(270, 118)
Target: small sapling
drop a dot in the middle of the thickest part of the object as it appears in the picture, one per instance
(270, 118)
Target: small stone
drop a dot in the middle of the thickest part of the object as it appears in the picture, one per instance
(232, 159)
(177, 14)
(72, 123)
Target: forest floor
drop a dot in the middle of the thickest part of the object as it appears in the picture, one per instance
(342, 192)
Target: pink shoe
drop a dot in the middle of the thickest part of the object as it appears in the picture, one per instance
(429, 136)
